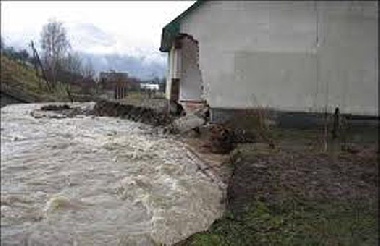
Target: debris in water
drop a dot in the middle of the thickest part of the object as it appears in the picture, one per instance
(60, 202)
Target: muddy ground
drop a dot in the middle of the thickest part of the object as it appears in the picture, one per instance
(298, 194)
(140, 114)
(274, 175)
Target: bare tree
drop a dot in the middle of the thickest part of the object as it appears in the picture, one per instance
(88, 70)
(55, 45)
(73, 63)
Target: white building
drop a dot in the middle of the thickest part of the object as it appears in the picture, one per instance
(150, 86)
(291, 56)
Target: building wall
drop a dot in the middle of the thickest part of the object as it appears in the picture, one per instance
(292, 56)
(191, 79)
(169, 75)
(174, 72)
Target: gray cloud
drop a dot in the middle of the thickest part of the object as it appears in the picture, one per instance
(144, 63)
(87, 34)
(135, 66)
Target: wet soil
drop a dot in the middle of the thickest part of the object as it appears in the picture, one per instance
(298, 194)
(139, 114)
(274, 175)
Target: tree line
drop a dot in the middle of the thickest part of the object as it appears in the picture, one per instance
(59, 61)
(18, 55)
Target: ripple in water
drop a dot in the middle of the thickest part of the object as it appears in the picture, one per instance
(97, 181)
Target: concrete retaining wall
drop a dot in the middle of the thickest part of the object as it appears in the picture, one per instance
(290, 119)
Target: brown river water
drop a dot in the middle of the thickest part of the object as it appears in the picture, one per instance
(91, 180)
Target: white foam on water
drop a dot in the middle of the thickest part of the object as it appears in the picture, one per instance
(97, 181)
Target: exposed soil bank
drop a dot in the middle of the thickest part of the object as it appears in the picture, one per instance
(135, 113)
(219, 138)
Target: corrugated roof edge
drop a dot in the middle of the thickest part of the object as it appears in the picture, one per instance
(171, 30)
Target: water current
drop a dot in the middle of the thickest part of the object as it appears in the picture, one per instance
(89, 180)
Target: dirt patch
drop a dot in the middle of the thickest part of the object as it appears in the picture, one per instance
(59, 111)
(296, 194)
(106, 108)
(131, 112)
(274, 175)
(218, 164)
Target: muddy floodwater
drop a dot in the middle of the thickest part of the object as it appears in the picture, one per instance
(91, 180)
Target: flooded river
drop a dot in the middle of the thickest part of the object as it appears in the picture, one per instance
(97, 181)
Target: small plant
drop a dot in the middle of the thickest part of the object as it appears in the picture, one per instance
(253, 123)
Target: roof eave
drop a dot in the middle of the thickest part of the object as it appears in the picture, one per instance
(172, 29)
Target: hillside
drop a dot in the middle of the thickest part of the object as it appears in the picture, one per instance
(20, 81)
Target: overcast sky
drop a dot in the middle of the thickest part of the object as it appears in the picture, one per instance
(123, 27)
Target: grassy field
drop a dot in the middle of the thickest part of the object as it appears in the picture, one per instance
(142, 99)
(297, 194)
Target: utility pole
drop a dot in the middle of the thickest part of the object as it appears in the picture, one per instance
(37, 63)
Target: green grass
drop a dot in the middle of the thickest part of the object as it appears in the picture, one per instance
(295, 223)
(21, 80)
(141, 99)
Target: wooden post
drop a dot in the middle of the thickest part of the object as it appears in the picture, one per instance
(325, 135)
(37, 62)
(335, 130)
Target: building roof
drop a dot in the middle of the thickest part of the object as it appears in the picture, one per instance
(172, 30)
(113, 75)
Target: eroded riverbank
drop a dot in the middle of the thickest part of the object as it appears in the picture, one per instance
(90, 180)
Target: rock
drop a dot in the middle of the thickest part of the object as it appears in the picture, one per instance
(220, 139)
(188, 123)
(193, 133)
(203, 112)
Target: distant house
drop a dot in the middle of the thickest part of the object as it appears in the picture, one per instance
(289, 56)
(150, 86)
(115, 84)
(112, 76)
